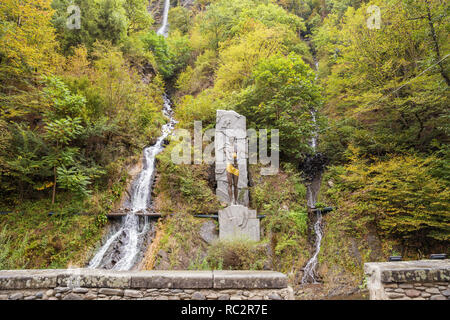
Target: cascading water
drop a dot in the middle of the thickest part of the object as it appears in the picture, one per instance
(309, 273)
(164, 27)
(121, 250)
(314, 166)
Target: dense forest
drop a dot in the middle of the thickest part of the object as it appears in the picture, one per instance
(79, 105)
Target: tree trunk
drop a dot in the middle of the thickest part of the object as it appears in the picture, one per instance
(54, 185)
(436, 44)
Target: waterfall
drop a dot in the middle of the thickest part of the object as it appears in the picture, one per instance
(309, 273)
(164, 27)
(310, 268)
(121, 250)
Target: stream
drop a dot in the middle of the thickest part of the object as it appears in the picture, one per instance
(121, 250)
(165, 25)
(314, 167)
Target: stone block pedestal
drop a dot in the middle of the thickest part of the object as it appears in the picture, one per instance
(238, 222)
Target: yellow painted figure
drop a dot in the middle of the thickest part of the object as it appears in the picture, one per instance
(232, 171)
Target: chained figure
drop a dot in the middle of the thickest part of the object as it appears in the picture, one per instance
(232, 170)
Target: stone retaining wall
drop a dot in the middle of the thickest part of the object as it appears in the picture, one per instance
(85, 284)
(409, 280)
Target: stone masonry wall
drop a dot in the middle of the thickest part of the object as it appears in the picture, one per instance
(84, 284)
(409, 280)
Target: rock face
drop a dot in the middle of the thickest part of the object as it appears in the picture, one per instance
(208, 232)
(406, 280)
(229, 125)
(238, 222)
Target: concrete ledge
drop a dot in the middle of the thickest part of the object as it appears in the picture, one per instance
(91, 278)
(410, 271)
(29, 279)
(249, 279)
(88, 278)
(409, 280)
(172, 279)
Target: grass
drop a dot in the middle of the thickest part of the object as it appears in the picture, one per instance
(236, 255)
(31, 238)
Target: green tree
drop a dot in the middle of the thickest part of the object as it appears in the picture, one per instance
(100, 20)
(27, 50)
(157, 44)
(388, 82)
(59, 133)
(282, 96)
(139, 19)
(400, 195)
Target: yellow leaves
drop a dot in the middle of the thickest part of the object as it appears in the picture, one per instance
(44, 186)
(239, 58)
(78, 65)
(28, 41)
(402, 192)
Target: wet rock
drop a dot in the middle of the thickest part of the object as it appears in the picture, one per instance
(224, 297)
(39, 295)
(446, 292)
(313, 166)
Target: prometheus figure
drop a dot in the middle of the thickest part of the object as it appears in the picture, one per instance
(232, 170)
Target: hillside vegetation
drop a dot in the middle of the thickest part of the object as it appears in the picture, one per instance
(381, 96)
(78, 107)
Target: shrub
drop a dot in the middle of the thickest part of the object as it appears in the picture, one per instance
(400, 195)
(237, 255)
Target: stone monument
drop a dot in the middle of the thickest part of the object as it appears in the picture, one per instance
(236, 221)
(231, 126)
